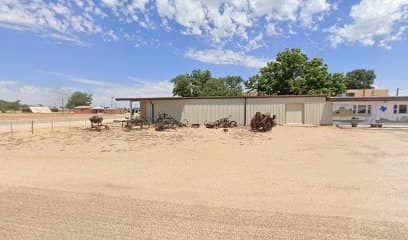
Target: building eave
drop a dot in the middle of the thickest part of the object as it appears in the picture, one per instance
(373, 99)
(217, 97)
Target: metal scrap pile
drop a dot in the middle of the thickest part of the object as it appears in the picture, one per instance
(164, 121)
(96, 123)
(222, 123)
(140, 121)
(262, 122)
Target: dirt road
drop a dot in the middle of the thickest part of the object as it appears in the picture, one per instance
(291, 183)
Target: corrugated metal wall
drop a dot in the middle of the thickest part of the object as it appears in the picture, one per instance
(274, 106)
(202, 110)
(175, 109)
(317, 110)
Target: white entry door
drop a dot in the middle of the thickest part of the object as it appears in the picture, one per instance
(294, 113)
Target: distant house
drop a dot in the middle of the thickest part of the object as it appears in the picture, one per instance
(367, 93)
(82, 109)
(95, 110)
(111, 111)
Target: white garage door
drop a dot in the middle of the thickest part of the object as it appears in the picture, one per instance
(294, 113)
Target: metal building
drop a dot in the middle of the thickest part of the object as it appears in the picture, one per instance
(316, 109)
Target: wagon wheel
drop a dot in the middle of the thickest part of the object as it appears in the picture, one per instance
(147, 123)
(253, 125)
(268, 125)
(233, 124)
(128, 125)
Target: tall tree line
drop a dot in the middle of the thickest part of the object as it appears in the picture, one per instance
(201, 83)
(291, 73)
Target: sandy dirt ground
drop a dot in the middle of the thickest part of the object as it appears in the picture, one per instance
(290, 183)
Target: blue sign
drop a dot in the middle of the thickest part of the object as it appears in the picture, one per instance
(383, 108)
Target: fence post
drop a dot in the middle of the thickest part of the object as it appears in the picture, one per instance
(32, 127)
(11, 128)
(52, 126)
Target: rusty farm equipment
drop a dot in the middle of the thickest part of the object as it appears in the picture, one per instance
(262, 122)
(136, 122)
(222, 123)
(96, 123)
(164, 121)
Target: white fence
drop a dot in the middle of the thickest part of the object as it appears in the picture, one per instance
(45, 125)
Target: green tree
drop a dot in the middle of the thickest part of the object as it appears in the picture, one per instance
(360, 79)
(9, 106)
(201, 83)
(182, 86)
(293, 74)
(199, 80)
(79, 99)
(338, 85)
(233, 85)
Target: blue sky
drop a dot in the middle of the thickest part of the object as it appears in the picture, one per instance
(132, 48)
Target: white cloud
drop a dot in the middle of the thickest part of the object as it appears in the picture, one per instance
(373, 22)
(4, 83)
(56, 20)
(311, 9)
(77, 79)
(272, 30)
(226, 57)
(35, 94)
(103, 91)
(223, 20)
(219, 22)
(31, 94)
(165, 8)
(110, 2)
(255, 43)
(28, 90)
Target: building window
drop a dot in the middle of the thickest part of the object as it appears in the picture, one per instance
(402, 109)
(362, 109)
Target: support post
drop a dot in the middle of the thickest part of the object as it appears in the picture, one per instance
(245, 111)
(32, 127)
(153, 113)
(11, 128)
(131, 109)
(52, 126)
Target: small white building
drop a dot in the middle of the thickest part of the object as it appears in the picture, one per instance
(371, 109)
